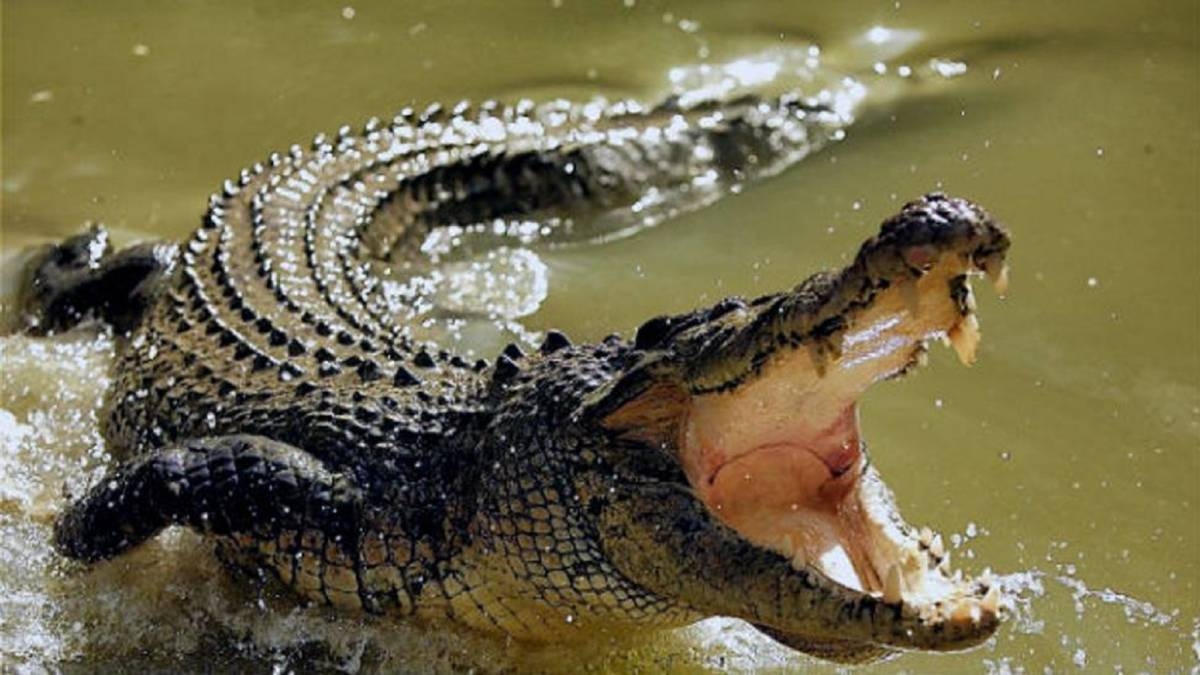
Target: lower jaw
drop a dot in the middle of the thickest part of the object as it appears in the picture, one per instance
(849, 531)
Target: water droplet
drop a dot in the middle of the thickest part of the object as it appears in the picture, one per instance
(947, 68)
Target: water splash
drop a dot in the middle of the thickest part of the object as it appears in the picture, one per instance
(794, 68)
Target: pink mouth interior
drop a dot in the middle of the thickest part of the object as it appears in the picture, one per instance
(779, 458)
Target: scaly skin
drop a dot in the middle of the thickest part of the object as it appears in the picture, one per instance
(265, 396)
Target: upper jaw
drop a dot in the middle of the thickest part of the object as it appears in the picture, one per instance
(821, 315)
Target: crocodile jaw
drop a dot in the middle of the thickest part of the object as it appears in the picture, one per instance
(785, 524)
(780, 460)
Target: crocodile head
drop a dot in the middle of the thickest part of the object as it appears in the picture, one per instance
(782, 520)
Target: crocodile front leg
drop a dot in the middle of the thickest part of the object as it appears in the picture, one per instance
(257, 496)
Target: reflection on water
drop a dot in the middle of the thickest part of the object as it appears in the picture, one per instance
(1066, 460)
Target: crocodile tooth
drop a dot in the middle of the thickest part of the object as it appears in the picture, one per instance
(787, 545)
(929, 613)
(913, 561)
(1000, 283)
(969, 299)
(911, 296)
(975, 612)
(966, 609)
(800, 558)
(997, 272)
(964, 337)
(991, 600)
(892, 585)
(937, 547)
(922, 356)
(926, 537)
(795, 554)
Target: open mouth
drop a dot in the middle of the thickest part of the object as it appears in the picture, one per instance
(781, 461)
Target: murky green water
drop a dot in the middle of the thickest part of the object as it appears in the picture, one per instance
(1069, 457)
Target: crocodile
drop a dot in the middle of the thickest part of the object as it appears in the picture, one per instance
(265, 395)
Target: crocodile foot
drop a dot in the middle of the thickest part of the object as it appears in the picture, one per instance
(81, 278)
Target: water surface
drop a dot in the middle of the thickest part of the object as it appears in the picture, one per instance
(1068, 458)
